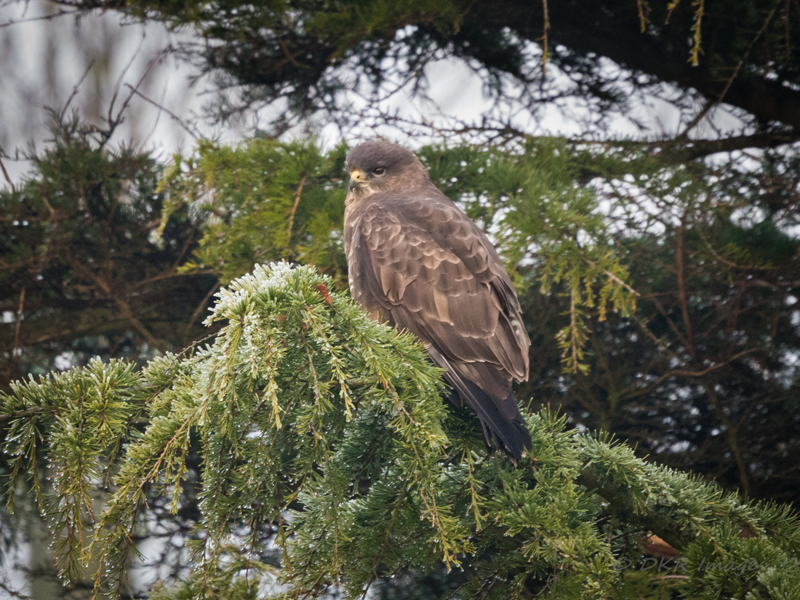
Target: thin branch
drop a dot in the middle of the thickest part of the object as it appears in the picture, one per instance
(121, 77)
(614, 278)
(573, 337)
(158, 116)
(55, 15)
(198, 310)
(545, 36)
(696, 120)
(5, 173)
(21, 414)
(680, 150)
(126, 311)
(731, 431)
(670, 151)
(746, 54)
(12, 592)
(660, 307)
(682, 292)
(194, 134)
(701, 373)
(729, 263)
(76, 88)
(124, 307)
(114, 122)
(173, 272)
(671, 8)
(712, 104)
(697, 31)
(640, 6)
(16, 351)
(294, 209)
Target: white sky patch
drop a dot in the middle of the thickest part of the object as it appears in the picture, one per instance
(45, 59)
(65, 360)
(41, 62)
(680, 447)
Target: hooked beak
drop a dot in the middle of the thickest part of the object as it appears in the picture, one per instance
(357, 177)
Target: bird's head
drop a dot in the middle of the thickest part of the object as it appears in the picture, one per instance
(380, 166)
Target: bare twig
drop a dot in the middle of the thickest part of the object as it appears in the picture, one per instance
(198, 310)
(126, 312)
(294, 210)
(20, 310)
(697, 118)
(702, 372)
(5, 173)
(55, 15)
(713, 104)
(660, 308)
(115, 121)
(158, 115)
(573, 328)
(196, 135)
(682, 291)
(731, 431)
(747, 52)
(124, 308)
(122, 76)
(545, 36)
(76, 88)
(12, 592)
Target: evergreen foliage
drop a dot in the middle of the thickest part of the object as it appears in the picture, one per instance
(79, 263)
(699, 374)
(660, 296)
(309, 446)
(267, 200)
(323, 434)
(261, 201)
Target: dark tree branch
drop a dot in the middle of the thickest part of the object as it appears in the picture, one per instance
(679, 151)
(593, 30)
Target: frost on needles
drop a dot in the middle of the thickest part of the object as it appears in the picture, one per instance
(309, 445)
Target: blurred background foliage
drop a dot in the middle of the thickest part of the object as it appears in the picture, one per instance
(657, 266)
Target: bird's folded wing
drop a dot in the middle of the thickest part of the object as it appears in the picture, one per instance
(434, 273)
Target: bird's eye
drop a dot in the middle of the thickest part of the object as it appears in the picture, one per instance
(379, 171)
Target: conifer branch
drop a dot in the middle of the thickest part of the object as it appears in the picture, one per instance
(366, 475)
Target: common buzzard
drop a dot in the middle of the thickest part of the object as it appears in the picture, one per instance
(417, 262)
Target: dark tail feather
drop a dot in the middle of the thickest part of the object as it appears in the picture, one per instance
(509, 434)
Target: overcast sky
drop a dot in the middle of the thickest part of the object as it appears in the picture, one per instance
(42, 60)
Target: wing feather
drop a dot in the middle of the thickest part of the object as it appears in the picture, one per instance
(421, 264)
(427, 267)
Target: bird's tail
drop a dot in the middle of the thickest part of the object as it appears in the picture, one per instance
(505, 428)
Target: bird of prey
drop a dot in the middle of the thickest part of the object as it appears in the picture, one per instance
(417, 262)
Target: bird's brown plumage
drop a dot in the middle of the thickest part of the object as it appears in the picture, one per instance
(418, 262)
